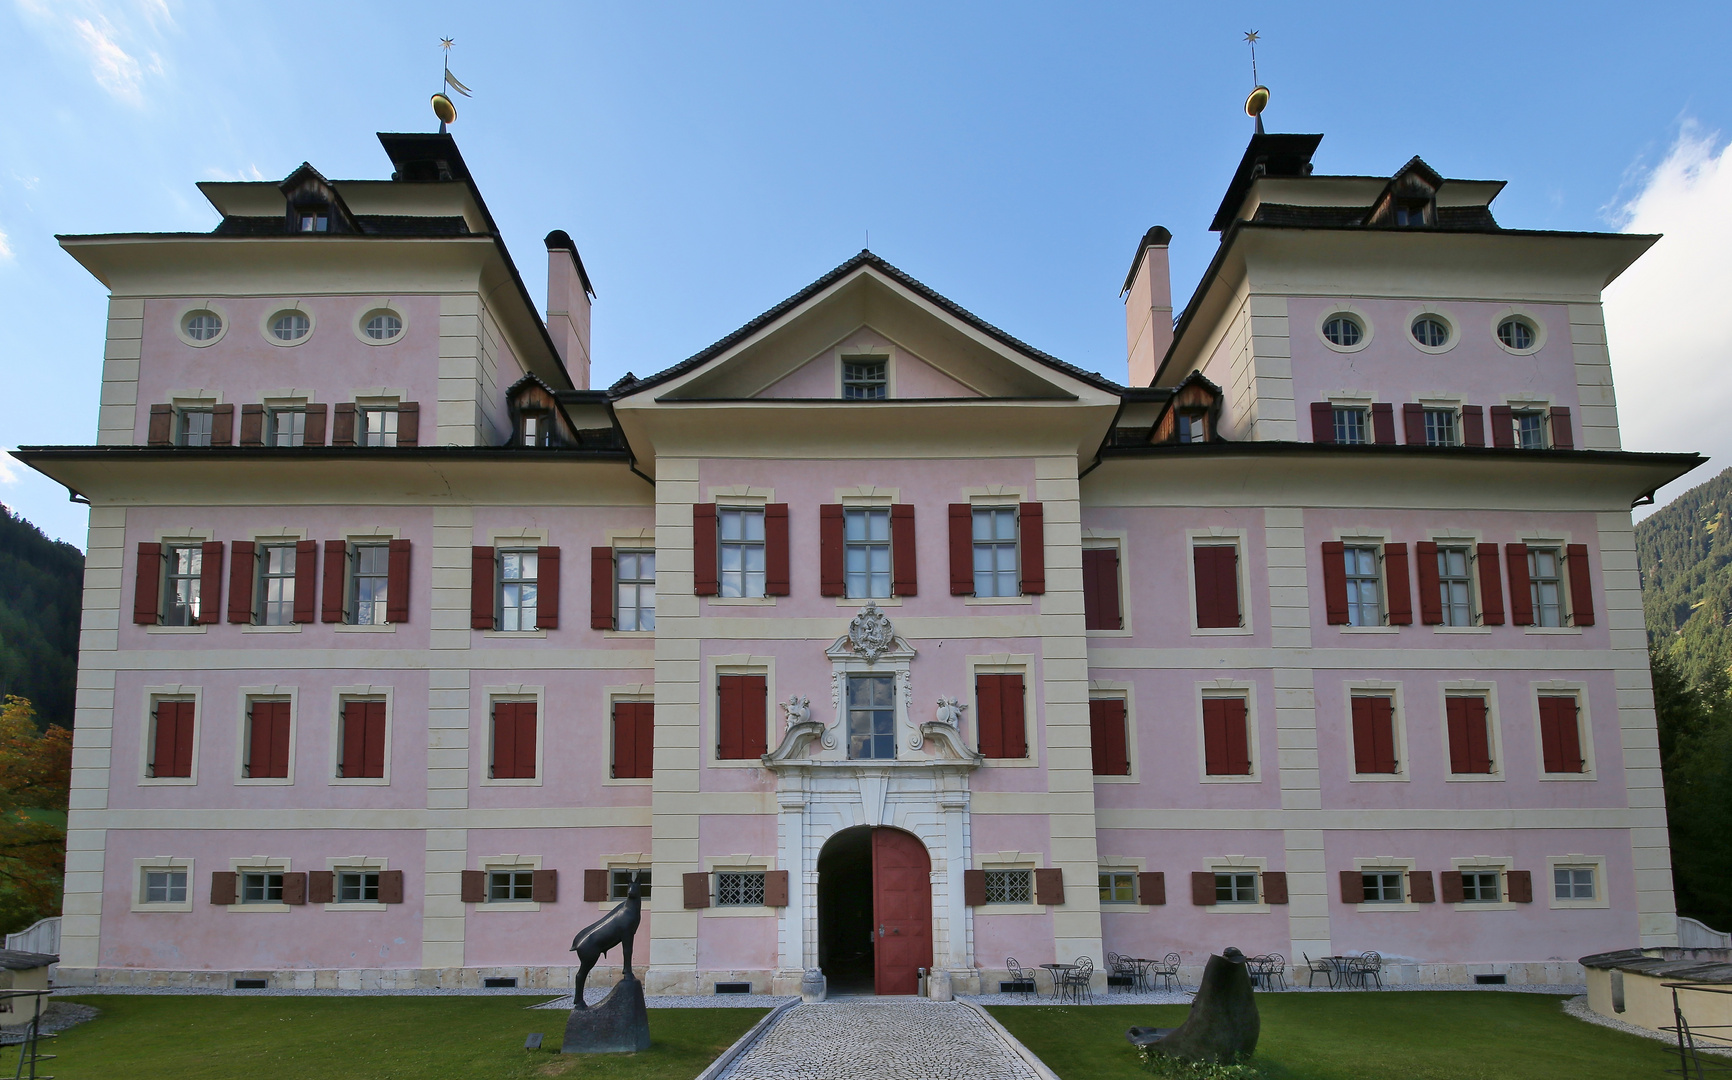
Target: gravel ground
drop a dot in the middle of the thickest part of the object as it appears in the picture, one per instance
(225, 991)
(1578, 1008)
(593, 994)
(1178, 997)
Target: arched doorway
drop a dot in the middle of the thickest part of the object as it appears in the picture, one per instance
(874, 911)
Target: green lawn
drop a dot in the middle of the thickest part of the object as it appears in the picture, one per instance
(190, 1037)
(1406, 1035)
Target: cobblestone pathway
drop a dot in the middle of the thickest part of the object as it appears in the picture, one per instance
(880, 1040)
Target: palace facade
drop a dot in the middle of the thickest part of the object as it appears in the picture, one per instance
(872, 637)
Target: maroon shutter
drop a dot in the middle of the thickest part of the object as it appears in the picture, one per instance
(147, 585)
(1419, 889)
(242, 566)
(1032, 533)
(161, 430)
(1400, 585)
(1335, 582)
(1049, 886)
(730, 737)
(1383, 758)
(1521, 886)
(1502, 427)
(1521, 601)
(336, 571)
(1563, 438)
(321, 887)
(315, 430)
(1274, 886)
(306, 579)
(473, 887)
(223, 887)
(1383, 423)
(974, 887)
(547, 588)
(268, 741)
(633, 739)
(1108, 738)
(706, 580)
(904, 567)
(252, 425)
(1364, 738)
(343, 424)
(1430, 588)
(1472, 433)
(279, 739)
(645, 734)
(988, 716)
(390, 886)
(171, 751)
(601, 614)
(1490, 585)
(1581, 584)
(1322, 424)
(832, 577)
(743, 708)
(373, 748)
(408, 423)
(354, 739)
(1202, 888)
(1152, 888)
(222, 425)
(1560, 735)
(1012, 703)
(295, 888)
(775, 888)
(961, 549)
(544, 886)
(1101, 609)
(1216, 569)
(480, 588)
(776, 577)
(1457, 718)
(210, 582)
(595, 886)
(697, 890)
(1413, 419)
(1226, 746)
(397, 584)
(1352, 887)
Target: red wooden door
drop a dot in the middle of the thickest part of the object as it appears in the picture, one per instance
(902, 910)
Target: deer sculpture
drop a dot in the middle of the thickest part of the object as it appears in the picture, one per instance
(617, 927)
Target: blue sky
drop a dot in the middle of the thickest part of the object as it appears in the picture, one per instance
(711, 159)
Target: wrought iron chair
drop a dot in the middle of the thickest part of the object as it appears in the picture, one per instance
(1019, 980)
(1367, 965)
(1313, 968)
(1167, 970)
(1269, 971)
(1077, 983)
(1122, 972)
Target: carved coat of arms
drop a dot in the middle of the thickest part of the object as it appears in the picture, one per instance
(870, 633)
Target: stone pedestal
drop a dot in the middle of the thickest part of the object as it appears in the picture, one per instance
(617, 1024)
(938, 984)
(813, 986)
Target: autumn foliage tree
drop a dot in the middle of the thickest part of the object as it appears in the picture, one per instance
(35, 773)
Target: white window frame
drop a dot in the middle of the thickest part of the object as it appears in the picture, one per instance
(147, 745)
(1365, 329)
(1475, 617)
(1502, 865)
(1228, 688)
(1119, 540)
(1526, 315)
(262, 579)
(500, 581)
(715, 866)
(1378, 549)
(1240, 864)
(868, 514)
(1494, 729)
(612, 695)
(1216, 536)
(340, 694)
(489, 865)
(159, 864)
(996, 543)
(386, 431)
(244, 728)
(1011, 860)
(1584, 729)
(1450, 324)
(846, 357)
(1125, 692)
(257, 864)
(1394, 691)
(733, 664)
(517, 692)
(354, 864)
(745, 546)
(1001, 664)
(637, 583)
(378, 306)
(1596, 863)
(1369, 426)
(352, 581)
(166, 589)
(1388, 865)
(191, 307)
(267, 325)
(1115, 864)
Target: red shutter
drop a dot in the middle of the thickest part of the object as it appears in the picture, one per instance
(1101, 589)
(544, 886)
(776, 577)
(1322, 427)
(595, 886)
(242, 566)
(1152, 888)
(775, 888)
(1335, 582)
(706, 578)
(1226, 746)
(363, 739)
(743, 701)
(1413, 419)
(472, 888)
(1383, 423)
(904, 567)
(252, 425)
(1581, 585)
(223, 887)
(397, 584)
(1400, 586)
(1419, 890)
(1563, 438)
(832, 533)
(961, 549)
(306, 580)
(147, 585)
(1560, 735)
(390, 886)
(408, 424)
(697, 890)
(1032, 533)
(295, 889)
(1000, 699)
(373, 763)
(315, 431)
(601, 613)
(1108, 738)
(1472, 433)
(1352, 887)
(1216, 568)
(343, 424)
(172, 752)
(1469, 737)
(268, 742)
(321, 887)
(1521, 886)
(210, 582)
(645, 734)
(1202, 888)
(222, 425)
(336, 571)
(1374, 735)
(1521, 601)
(1490, 585)
(1049, 886)
(633, 739)
(1274, 886)
(480, 588)
(988, 715)
(514, 740)
(161, 430)
(1430, 588)
(547, 588)
(974, 887)
(1502, 427)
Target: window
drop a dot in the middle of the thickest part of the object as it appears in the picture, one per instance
(369, 584)
(536, 429)
(865, 379)
(1010, 886)
(1226, 737)
(1560, 735)
(1235, 887)
(636, 575)
(362, 744)
(1516, 334)
(1374, 734)
(999, 715)
(634, 739)
(1216, 568)
(1364, 602)
(180, 586)
(261, 887)
(742, 552)
(1440, 428)
(871, 716)
(1191, 426)
(866, 551)
(1411, 213)
(1455, 586)
(1431, 333)
(376, 426)
(1546, 585)
(267, 740)
(517, 577)
(383, 325)
(995, 552)
(1573, 883)
(1383, 886)
(1118, 887)
(740, 888)
(1352, 425)
(171, 738)
(510, 886)
(290, 326)
(513, 740)
(1469, 735)
(276, 587)
(286, 427)
(194, 428)
(1343, 331)
(169, 886)
(1530, 429)
(743, 702)
(1109, 742)
(357, 887)
(313, 219)
(202, 325)
(1480, 886)
(619, 883)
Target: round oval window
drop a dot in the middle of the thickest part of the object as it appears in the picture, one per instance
(1432, 333)
(203, 325)
(383, 325)
(1515, 334)
(1343, 331)
(290, 326)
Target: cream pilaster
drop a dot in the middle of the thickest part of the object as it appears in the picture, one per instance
(117, 420)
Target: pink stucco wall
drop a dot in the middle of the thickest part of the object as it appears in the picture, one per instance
(910, 375)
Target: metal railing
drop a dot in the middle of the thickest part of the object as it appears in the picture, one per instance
(1692, 1040)
(28, 1039)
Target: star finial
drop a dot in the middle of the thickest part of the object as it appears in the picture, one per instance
(1250, 35)
(446, 43)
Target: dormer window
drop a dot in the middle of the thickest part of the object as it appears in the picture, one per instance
(865, 379)
(1192, 426)
(313, 219)
(1411, 213)
(537, 430)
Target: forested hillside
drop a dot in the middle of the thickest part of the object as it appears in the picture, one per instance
(1685, 552)
(41, 582)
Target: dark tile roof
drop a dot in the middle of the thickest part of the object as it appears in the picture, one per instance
(1474, 218)
(1673, 965)
(370, 225)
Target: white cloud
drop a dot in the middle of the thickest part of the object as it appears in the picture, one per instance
(5, 247)
(8, 474)
(1665, 318)
(114, 68)
(103, 32)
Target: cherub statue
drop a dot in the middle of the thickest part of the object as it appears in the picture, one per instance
(799, 710)
(950, 712)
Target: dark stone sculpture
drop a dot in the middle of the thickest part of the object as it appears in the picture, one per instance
(619, 1022)
(1223, 1023)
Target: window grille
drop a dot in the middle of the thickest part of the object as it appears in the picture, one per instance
(1546, 586)
(261, 887)
(510, 886)
(871, 716)
(1383, 886)
(383, 326)
(1440, 427)
(865, 380)
(1352, 425)
(619, 883)
(1480, 886)
(517, 589)
(181, 584)
(195, 426)
(276, 584)
(1235, 888)
(370, 566)
(1432, 333)
(286, 427)
(1573, 883)
(1118, 887)
(1343, 331)
(1364, 604)
(378, 427)
(1455, 586)
(1010, 886)
(995, 552)
(742, 552)
(1530, 429)
(357, 886)
(740, 888)
(165, 886)
(636, 576)
(866, 550)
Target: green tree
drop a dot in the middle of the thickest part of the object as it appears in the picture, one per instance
(35, 773)
(1695, 733)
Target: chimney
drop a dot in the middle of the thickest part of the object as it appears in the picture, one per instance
(568, 297)
(1148, 296)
